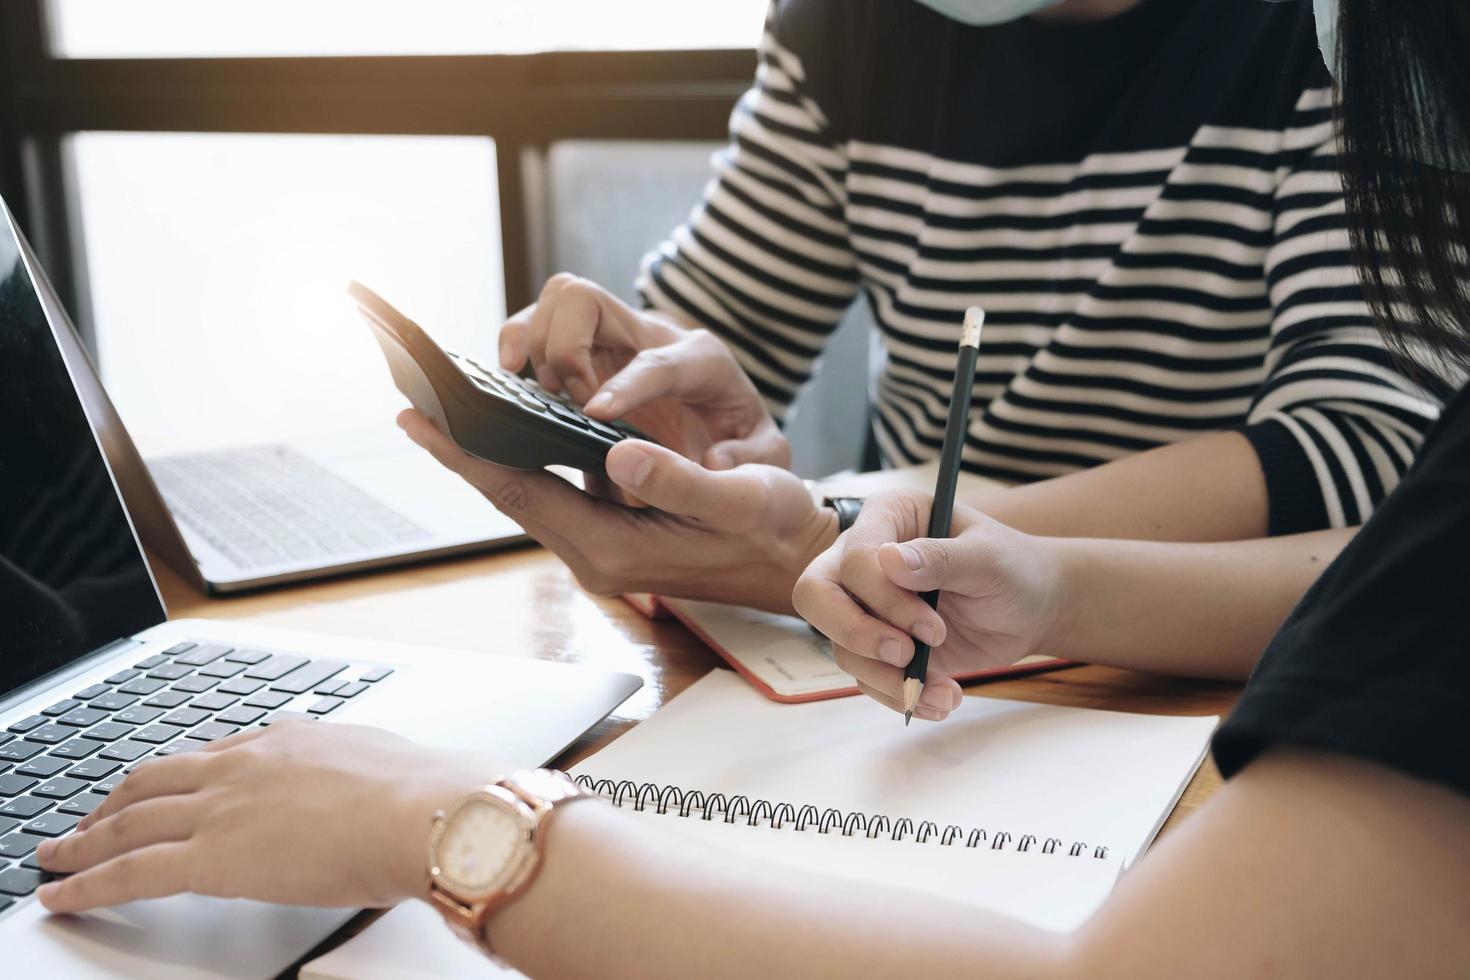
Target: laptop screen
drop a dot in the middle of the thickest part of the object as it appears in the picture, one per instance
(72, 576)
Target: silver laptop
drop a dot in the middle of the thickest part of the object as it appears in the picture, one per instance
(239, 519)
(93, 680)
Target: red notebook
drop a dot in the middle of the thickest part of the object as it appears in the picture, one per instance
(781, 656)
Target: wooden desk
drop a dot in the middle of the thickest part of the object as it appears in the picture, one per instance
(525, 602)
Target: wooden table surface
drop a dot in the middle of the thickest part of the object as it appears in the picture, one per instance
(525, 602)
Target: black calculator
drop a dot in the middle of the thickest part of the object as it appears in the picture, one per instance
(489, 412)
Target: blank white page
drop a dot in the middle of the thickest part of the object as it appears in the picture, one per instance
(1101, 778)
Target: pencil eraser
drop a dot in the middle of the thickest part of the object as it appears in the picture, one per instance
(974, 320)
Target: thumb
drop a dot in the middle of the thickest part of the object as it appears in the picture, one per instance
(747, 498)
(925, 564)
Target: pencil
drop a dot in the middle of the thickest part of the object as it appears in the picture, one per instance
(945, 485)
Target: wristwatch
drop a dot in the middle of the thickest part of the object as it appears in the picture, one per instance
(847, 509)
(485, 850)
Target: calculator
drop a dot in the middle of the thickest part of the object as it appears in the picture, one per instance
(488, 412)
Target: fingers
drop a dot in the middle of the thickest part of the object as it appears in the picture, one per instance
(941, 694)
(171, 776)
(153, 821)
(149, 872)
(695, 368)
(513, 341)
(820, 599)
(744, 498)
(924, 564)
(765, 445)
(572, 318)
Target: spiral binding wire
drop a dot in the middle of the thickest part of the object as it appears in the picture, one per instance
(780, 816)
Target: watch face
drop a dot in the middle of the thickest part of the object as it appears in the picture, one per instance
(480, 842)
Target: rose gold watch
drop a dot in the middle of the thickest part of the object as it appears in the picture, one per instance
(485, 850)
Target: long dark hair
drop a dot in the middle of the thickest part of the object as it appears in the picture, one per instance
(1404, 113)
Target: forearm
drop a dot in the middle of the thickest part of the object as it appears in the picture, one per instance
(1205, 489)
(1202, 609)
(619, 898)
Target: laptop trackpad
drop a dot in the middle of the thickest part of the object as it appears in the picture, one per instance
(184, 937)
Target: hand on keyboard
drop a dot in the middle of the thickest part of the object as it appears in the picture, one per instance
(302, 813)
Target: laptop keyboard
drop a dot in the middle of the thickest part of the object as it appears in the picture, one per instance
(270, 505)
(59, 765)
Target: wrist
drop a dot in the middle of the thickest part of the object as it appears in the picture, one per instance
(1072, 565)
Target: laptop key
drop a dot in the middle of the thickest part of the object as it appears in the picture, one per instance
(109, 731)
(114, 701)
(5, 738)
(171, 672)
(156, 734)
(248, 656)
(213, 702)
(13, 785)
(82, 805)
(350, 690)
(240, 686)
(222, 668)
(195, 684)
(24, 807)
(281, 716)
(243, 715)
(51, 734)
(376, 674)
(18, 845)
(179, 648)
(168, 699)
(276, 667)
(138, 716)
(93, 769)
(44, 766)
(20, 750)
(61, 707)
(104, 786)
(210, 731)
(180, 747)
(121, 677)
(129, 751)
(82, 717)
(53, 824)
(19, 882)
(88, 693)
(269, 699)
(143, 685)
(325, 706)
(28, 724)
(148, 663)
(77, 748)
(7, 825)
(331, 686)
(60, 788)
(185, 717)
(200, 656)
(308, 677)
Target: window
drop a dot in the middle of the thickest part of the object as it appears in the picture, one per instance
(218, 264)
(188, 28)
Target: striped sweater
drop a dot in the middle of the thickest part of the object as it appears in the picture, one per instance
(1147, 207)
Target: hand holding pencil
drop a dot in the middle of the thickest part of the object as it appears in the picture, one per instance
(867, 592)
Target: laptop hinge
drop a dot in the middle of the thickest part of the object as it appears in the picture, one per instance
(75, 668)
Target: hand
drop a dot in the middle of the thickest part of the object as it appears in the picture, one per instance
(741, 535)
(1000, 598)
(305, 813)
(681, 386)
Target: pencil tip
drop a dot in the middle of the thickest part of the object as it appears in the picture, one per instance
(908, 716)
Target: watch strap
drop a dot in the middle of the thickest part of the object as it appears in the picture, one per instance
(847, 509)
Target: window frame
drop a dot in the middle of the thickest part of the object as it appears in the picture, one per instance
(524, 102)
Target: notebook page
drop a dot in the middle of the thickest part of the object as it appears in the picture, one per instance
(1100, 778)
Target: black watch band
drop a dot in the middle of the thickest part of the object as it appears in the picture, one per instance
(847, 509)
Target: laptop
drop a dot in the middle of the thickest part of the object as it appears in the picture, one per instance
(93, 680)
(250, 517)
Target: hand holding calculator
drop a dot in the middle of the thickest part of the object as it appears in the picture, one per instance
(490, 413)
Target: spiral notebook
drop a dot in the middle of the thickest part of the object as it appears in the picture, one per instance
(1030, 811)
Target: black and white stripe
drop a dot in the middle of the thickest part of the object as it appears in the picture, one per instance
(1133, 298)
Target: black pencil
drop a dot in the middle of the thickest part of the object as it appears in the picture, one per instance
(945, 485)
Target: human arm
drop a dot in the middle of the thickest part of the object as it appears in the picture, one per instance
(1201, 609)
(1363, 872)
